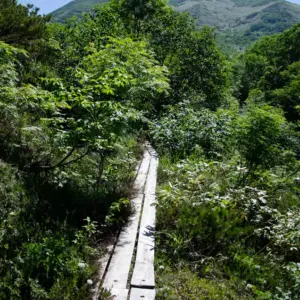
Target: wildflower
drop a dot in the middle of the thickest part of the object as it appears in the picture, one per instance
(81, 265)
(89, 282)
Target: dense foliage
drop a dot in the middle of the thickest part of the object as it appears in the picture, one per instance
(237, 22)
(228, 205)
(30, 28)
(60, 164)
(271, 72)
(75, 101)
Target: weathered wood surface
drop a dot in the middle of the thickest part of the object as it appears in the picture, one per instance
(103, 262)
(143, 294)
(150, 188)
(143, 273)
(117, 276)
(139, 183)
(119, 267)
(119, 294)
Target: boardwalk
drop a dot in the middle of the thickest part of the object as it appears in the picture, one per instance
(127, 270)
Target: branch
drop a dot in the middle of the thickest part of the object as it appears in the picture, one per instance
(75, 159)
(66, 157)
(62, 163)
(294, 173)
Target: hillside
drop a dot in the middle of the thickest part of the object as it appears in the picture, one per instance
(74, 8)
(241, 22)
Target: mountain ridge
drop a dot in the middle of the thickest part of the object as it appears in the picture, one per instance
(239, 21)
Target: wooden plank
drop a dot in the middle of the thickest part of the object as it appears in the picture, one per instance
(144, 294)
(105, 259)
(116, 278)
(103, 262)
(151, 150)
(119, 267)
(151, 182)
(118, 270)
(143, 273)
(119, 294)
(139, 183)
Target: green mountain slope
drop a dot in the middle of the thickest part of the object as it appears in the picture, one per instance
(74, 8)
(240, 21)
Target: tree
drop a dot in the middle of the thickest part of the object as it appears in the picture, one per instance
(138, 12)
(90, 111)
(259, 133)
(20, 25)
(271, 65)
(288, 96)
(196, 65)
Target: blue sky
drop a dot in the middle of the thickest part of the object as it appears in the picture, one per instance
(48, 6)
(295, 1)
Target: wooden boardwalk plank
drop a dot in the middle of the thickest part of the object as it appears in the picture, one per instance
(152, 177)
(103, 262)
(118, 270)
(119, 294)
(145, 294)
(116, 278)
(143, 273)
(139, 183)
(119, 267)
(151, 150)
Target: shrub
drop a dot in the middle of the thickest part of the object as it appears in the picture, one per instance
(222, 231)
(260, 132)
(184, 128)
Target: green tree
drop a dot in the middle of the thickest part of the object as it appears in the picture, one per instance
(288, 96)
(271, 66)
(20, 25)
(196, 65)
(259, 134)
(136, 13)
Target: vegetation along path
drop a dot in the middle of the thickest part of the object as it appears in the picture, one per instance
(135, 245)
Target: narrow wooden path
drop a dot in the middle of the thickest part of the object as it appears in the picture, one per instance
(127, 270)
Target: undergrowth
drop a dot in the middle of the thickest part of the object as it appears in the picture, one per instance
(228, 211)
(45, 255)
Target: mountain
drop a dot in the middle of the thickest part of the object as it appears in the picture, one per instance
(239, 21)
(74, 8)
(242, 21)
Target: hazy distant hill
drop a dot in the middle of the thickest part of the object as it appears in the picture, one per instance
(241, 21)
(75, 8)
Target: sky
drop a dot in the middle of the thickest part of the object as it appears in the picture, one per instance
(47, 6)
(294, 1)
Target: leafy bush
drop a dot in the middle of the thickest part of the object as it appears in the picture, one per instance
(271, 66)
(64, 157)
(181, 283)
(46, 269)
(260, 131)
(218, 229)
(183, 129)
